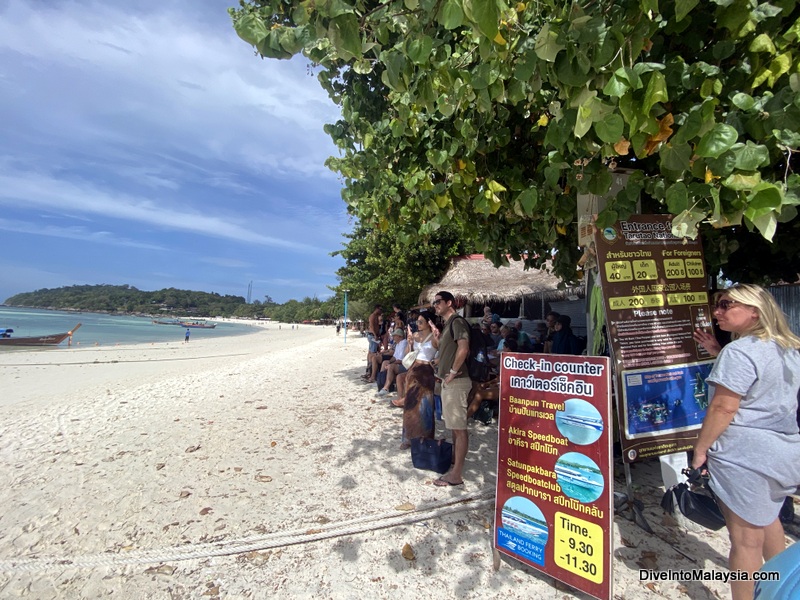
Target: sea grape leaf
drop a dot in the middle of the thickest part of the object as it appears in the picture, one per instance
(720, 139)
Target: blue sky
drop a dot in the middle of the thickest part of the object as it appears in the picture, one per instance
(144, 143)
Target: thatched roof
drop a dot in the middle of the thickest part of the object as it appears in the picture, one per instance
(475, 279)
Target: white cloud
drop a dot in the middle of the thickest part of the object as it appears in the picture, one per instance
(134, 124)
(83, 234)
(42, 191)
(199, 89)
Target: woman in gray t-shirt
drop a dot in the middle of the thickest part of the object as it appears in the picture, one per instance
(749, 439)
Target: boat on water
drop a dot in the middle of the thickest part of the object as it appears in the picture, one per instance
(190, 324)
(581, 421)
(7, 339)
(575, 476)
(197, 324)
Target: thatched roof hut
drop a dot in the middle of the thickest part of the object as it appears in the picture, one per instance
(475, 280)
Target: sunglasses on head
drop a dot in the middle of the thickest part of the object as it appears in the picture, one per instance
(724, 304)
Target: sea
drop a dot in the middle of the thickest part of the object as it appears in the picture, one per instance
(107, 330)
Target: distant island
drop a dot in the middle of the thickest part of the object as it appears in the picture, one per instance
(126, 299)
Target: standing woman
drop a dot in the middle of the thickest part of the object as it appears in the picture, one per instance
(749, 440)
(418, 406)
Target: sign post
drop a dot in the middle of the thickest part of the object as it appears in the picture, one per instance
(655, 290)
(553, 508)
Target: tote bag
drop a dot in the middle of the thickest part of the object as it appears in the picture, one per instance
(431, 455)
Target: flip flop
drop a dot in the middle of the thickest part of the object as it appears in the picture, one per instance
(397, 404)
(444, 483)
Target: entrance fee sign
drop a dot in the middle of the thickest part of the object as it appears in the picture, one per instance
(555, 483)
(656, 294)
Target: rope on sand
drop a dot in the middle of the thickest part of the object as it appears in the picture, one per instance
(473, 501)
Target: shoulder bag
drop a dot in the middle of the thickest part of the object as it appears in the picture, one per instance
(696, 506)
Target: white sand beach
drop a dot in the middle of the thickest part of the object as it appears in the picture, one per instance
(261, 467)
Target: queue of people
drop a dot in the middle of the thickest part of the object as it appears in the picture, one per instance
(440, 341)
(753, 413)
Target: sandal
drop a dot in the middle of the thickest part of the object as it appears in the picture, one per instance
(444, 483)
(399, 402)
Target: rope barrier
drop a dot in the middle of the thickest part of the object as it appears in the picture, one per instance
(473, 501)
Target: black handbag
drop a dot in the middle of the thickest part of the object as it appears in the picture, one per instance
(431, 455)
(697, 506)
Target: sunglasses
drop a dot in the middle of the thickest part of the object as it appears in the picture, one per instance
(724, 305)
(436, 302)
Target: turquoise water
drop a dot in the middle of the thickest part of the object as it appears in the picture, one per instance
(106, 330)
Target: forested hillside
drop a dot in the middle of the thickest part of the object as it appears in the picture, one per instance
(128, 299)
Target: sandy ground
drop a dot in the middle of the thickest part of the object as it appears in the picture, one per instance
(260, 467)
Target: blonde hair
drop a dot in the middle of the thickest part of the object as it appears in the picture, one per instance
(771, 323)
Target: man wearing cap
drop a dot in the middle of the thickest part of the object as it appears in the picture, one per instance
(394, 366)
(453, 345)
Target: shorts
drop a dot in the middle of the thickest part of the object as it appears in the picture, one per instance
(454, 402)
(373, 345)
(401, 369)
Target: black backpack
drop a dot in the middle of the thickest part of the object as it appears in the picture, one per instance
(478, 358)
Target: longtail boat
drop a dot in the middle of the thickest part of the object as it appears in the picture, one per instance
(6, 338)
(197, 324)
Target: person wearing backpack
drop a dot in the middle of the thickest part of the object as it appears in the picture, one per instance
(453, 345)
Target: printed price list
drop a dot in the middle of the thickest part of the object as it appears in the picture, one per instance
(625, 270)
(645, 270)
(674, 268)
(687, 298)
(624, 302)
(579, 547)
(695, 268)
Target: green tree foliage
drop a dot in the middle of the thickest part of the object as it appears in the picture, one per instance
(495, 116)
(174, 302)
(309, 309)
(380, 268)
(128, 299)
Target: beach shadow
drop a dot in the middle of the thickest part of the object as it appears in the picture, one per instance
(378, 449)
(348, 548)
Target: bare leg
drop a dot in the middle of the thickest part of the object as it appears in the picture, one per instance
(391, 371)
(748, 543)
(479, 393)
(460, 447)
(774, 539)
(401, 385)
(368, 373)
(376, 360)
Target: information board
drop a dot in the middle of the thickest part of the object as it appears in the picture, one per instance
(553, 507)
(656, 293)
